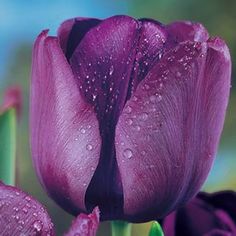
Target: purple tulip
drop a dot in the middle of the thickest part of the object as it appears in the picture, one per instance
(20, 214)
(206, 215)
(127, 114)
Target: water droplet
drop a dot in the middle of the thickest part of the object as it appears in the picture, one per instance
(38, 226)
(16, 209)
(129, 121)
(128, 109)
(25, 210)
(128, 153)
(137, 128)
(144, 116)
(17, 193)
(83, 131)
(178, 74)
(35, 214)
(111, 70)
(21, 222)
(89, 147)
(143, 153)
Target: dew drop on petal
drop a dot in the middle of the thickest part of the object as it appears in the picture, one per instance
(111, 70)
(38, 226)
(89, 147)
(128, 153)
(128, 109)
(83, 131)
(144, 116)
(129, 122)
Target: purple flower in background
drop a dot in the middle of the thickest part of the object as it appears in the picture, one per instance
(127, 114)
(205, 215)
(20, 214)
(12, 99)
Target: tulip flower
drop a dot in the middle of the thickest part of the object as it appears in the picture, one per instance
(20, 214)
(127, 114)
(205, 215)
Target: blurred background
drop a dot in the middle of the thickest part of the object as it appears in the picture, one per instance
(20, 23)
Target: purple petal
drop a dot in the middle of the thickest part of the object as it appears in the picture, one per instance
(72, 31)
(102, 64)
(181, 31)
(12, 99)
(64, 129)
(152, 38)
(203, 216)
(178, 110)
(85, 225)
(20, 214)
(225, 200)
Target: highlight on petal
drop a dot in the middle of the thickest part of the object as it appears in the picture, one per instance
(85, 225)
(12, 99)
(64, 129)
(178, 110)
(20, 214)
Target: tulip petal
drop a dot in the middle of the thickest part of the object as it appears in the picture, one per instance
(225, 200)
(85, 225)
(181, 31)
(102, 64)
(152, 39)
(20, 214)
(72, 31)
(64, 129)
(178, 110)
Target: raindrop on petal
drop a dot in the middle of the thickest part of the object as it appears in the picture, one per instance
(128, 153)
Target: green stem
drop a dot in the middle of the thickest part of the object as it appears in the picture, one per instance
(121, 228)
(8, 146)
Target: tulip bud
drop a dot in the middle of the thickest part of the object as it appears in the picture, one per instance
(127, 114)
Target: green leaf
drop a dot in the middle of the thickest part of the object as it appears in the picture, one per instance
(120, 228)
(8, 146)
(156, 229)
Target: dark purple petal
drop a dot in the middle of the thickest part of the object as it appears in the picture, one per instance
(178, 110)
(85, 225)
(20, 214)
(225, 200)
(72, 31)
(12, 99)
(64, 129)
(202, 216)
(218, 232)
(102, 64)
